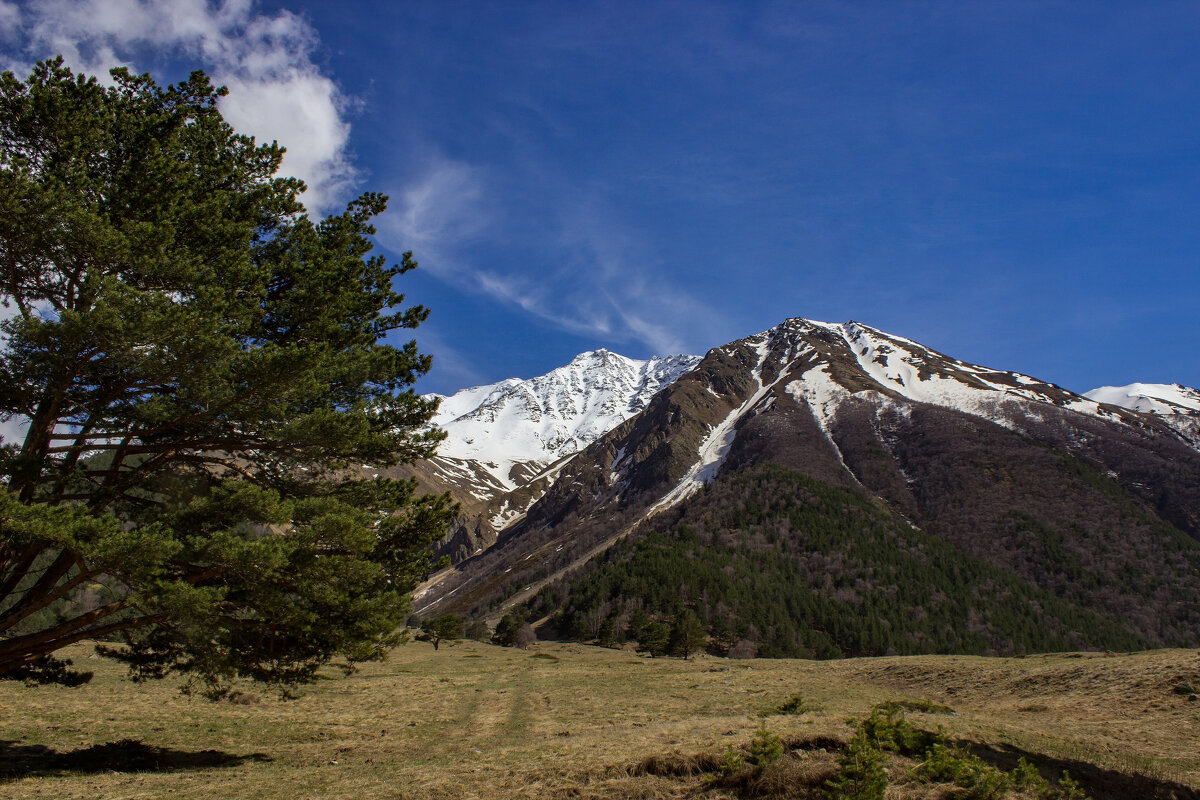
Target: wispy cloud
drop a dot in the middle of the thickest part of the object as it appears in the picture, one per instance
(10, 20)
(440, 207)
(586, 274)
(277, 91)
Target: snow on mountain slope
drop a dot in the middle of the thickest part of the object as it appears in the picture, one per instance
(1150, 398)
(1173, 403)
(827, 364)
(514, 429)
(926, 376)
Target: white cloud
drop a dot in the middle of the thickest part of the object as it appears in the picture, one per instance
(277, 92)
(13, 431)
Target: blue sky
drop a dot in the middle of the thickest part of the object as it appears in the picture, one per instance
(1016, 184)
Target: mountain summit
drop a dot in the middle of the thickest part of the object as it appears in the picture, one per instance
(516, 427)
(1177, 405)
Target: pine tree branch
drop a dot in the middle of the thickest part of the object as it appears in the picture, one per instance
(45, 584)
(14, 660)
(31, 641)
(30, 604)
(19, 570)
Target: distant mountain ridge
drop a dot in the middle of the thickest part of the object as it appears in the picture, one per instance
(1176, 404)
(515, 423)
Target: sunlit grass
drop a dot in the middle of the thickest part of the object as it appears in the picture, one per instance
(471, 720)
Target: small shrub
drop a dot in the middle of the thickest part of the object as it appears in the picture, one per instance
(1026, 776)
(887, 729)
(980, 781)
(1068, 789)
(793, 705)
(731, 763)
(765, 748)
(861, 775)
(525, 637)
(948, 764)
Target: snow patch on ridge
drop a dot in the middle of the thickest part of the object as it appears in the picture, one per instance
(1175, 404)
(925, 376)
(716, 445)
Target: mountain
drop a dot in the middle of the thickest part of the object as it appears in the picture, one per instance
(1178, 405)
(506, 441)
(838, 470)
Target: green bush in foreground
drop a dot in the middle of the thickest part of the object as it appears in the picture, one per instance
(860, 771)
(861, 774)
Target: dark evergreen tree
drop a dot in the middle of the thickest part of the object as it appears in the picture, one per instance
(608, 632)
(507, 629)
(638, 621)
(654, 639)
(687, 635)
(203, 368)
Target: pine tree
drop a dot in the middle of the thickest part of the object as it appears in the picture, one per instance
(203, 370)
(654, 639)
(687, 635)
(447, 627)
(507, 629)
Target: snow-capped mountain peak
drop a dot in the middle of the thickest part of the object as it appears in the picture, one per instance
(520, 426)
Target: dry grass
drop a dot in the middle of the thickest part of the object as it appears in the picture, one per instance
(475, 721)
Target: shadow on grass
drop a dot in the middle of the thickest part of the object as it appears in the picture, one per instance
(1099, 783)
(128, 755)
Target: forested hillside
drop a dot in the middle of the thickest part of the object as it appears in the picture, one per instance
(793, 567)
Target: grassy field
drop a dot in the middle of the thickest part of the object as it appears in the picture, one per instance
(476, 721)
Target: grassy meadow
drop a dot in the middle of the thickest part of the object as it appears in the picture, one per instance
(567, 721)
